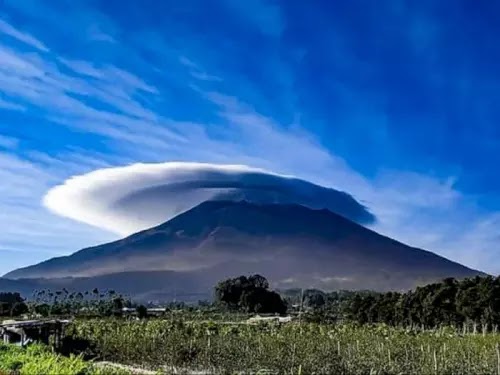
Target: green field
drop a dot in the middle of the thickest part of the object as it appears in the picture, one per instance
(293, 348)
(169, 345)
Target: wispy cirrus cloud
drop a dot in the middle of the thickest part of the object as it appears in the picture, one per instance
(65, 98)
(5, 104)
(119, 98)
(25, 38)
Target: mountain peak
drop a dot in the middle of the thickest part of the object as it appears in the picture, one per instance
(291, 244)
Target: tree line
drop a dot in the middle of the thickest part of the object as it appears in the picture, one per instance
(47, 302)
(449, 302)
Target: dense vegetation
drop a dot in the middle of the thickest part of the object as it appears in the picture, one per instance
(12, 304)
(290, 348)
(472, 302)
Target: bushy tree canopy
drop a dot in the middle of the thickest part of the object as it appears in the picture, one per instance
(250, 294)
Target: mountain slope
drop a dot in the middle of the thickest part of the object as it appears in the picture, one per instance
(291, 244)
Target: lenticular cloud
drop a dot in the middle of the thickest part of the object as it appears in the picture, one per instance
(127, 199)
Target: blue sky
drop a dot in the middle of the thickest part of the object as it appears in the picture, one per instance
(393, 102)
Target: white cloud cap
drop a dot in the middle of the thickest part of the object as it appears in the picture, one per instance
(127, 199)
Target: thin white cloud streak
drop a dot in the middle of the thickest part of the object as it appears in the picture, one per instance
(80, 23)
(4, 104)
(23, 37)
(197, 72)
(82, 67)
(95, 33)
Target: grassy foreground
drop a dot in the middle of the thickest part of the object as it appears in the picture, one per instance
(291, 348)
(39, 359)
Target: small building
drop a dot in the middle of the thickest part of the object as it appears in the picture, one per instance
(274, 319)
(23, 332)
(155, 311)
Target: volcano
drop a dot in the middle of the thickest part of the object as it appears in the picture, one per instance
(292, 245)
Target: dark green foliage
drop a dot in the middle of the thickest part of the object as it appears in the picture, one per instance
(262, 301)
(450, 302)
(12, 304)
(314, 298)
(142, 311)
(42, 309)
(117, 306)
(258, 281)
(250, 295)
